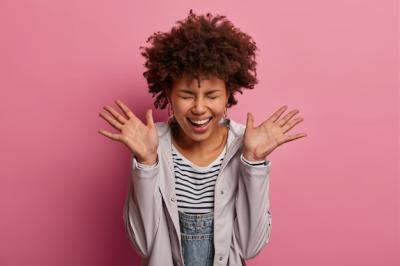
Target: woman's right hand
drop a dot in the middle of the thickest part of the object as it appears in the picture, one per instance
(141, 139)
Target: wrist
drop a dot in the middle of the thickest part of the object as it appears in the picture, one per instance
(252, 158)
(147, 161)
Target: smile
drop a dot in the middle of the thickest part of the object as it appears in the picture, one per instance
(200, 126)
(199, 122)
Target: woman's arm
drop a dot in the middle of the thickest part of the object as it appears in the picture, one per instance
(142, 207)
(252, 226)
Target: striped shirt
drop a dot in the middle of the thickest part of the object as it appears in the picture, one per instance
(195, 185)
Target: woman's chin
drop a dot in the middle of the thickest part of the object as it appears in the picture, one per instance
(196, 133)
(195, 129)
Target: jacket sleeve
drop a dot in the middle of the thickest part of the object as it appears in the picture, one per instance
(142, 206)
(252, 225)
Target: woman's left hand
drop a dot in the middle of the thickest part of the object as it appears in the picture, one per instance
(260, 141)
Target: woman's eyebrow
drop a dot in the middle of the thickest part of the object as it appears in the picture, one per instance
(191, 92)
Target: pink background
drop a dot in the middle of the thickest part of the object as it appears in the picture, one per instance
(335, 195)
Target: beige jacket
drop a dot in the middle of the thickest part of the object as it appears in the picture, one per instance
(242, 218)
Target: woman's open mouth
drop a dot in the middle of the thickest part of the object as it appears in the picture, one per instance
(200, 125)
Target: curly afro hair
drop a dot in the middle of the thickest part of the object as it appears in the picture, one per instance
(200, 46)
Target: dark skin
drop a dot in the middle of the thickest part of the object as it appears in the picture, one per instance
(261, 140)
(141, 139)
(190, 98)
(258, 141)
(197, 158)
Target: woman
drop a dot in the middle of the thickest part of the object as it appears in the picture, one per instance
(199, 191)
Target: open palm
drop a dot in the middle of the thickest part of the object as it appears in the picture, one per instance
(262, 140)
(141, 139)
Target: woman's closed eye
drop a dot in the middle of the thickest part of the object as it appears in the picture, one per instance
(211, 97)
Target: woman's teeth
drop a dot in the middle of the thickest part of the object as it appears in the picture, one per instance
(199, 122)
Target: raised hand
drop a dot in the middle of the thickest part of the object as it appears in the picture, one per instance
(260, 141)
(141, 139)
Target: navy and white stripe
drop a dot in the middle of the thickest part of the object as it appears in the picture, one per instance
(195, 185)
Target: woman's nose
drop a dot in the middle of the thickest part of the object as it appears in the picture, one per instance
(199, 106)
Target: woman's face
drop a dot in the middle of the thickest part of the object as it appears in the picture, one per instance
(204, 105)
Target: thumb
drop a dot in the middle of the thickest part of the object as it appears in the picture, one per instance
(250, 120)
(149, 118)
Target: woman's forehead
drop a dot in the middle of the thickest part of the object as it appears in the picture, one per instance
(204, 80)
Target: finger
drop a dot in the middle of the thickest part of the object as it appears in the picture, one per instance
(275, 116)
(295, 136)
(119, 117)
(149, 118)
(287, 117)
(114, 123)
(125, 108)
(250, 120)
(108, 134)
(291, 124)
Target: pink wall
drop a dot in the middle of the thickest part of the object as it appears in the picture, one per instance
(334, 195)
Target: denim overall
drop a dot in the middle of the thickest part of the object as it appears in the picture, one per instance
(197, 238)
